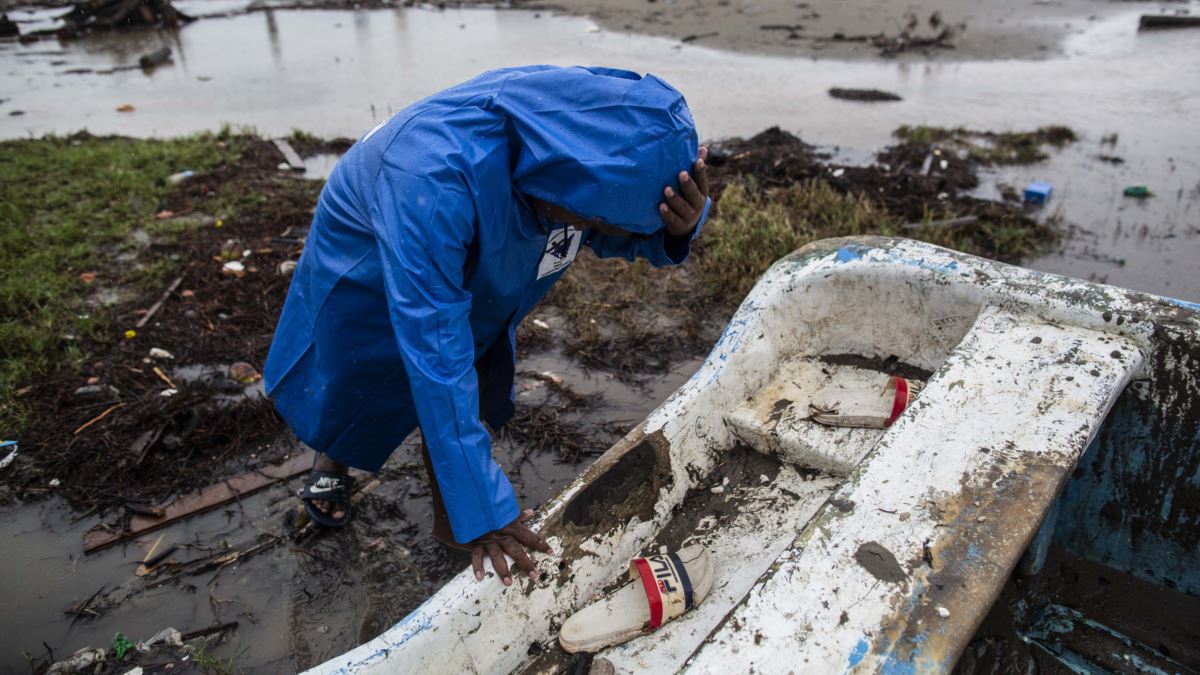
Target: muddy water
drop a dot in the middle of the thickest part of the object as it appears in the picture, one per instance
(295, 605)
(339, 72)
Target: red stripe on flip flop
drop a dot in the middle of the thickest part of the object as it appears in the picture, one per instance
(650, 585)
(900, 402)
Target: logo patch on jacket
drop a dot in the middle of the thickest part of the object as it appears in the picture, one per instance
(561, 248)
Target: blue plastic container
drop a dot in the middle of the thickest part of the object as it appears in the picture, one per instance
(1037, 192)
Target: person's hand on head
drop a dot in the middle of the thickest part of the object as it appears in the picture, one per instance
(512, 539)
(680, 211)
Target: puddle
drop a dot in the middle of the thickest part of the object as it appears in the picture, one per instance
(319, 166)
(275, 595)
(337, 73)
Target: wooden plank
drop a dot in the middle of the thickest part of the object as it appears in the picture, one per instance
(289, 154)
(200, 501)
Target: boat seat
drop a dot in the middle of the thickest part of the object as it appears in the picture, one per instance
(775, 421)
(895, 570)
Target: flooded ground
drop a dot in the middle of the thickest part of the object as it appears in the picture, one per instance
(336, 73)
(274, 595)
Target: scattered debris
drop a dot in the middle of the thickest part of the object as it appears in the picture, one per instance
(97, 392)
(1038, 193)
(943, 612)
(244, 372)
(97, 418)
(868, 95)
(141, 323)
(294, 162)
(102, 536)
(83, 661)
(286, 267)
(155, 58)
(162, 354)
(126, 108)
(176, 179)
(87, 277)
(701, 36)
(234, 268)
(1161, 21)
(1111, 159)
(106, 15)
(1138, 191)
(12, 454)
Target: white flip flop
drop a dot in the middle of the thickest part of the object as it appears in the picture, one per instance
(661, 588)
(870, 411)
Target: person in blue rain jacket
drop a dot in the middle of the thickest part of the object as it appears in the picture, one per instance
(437, 232)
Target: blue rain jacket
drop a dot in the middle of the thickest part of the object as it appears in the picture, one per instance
(423, 257)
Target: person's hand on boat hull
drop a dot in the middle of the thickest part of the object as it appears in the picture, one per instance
(512, 539)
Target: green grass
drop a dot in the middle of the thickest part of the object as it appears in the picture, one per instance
(63, 202)
(754, 229)
(987, 147)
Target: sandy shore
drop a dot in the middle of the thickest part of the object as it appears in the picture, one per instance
(981, 30)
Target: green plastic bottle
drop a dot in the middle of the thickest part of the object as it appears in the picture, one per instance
(1139, 191)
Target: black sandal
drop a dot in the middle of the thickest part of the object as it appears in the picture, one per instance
(327, 486)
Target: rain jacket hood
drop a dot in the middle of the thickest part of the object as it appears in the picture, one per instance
(424, 256)
(602, 146)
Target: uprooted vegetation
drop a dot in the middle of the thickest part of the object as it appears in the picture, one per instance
(989, 147)
(105, 234)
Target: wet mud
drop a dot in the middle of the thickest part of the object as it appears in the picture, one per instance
(1160, 620)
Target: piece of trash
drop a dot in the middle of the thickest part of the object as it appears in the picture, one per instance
(725, 480)
(156, 353)
(762, 478)
(244, 372)
(1139, 191)
(177, 178)
(234, 268)
(541, 324)
(230, 250)
(126, 107)
(167, 636)
(168, 393)
(286, 267)
(97, 392)
(1159, 21)
(944, 164)
(130, 334)
(218, 223)
(1038, 192)
(246, 253)
(593, 29)
(865, 95)
(8, 459)
(943, 612)
(54, 482)
(122, 646)
(838, 173)
(136, 670)
(187, 294)
(551, 377)
(87, 277)
(155, 58)
(283, 166)
(82, 661)
(717, 490)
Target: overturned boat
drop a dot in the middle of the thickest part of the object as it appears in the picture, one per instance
(1053, 412)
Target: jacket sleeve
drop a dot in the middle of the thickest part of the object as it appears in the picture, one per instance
(660, 250)
(423, 227)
